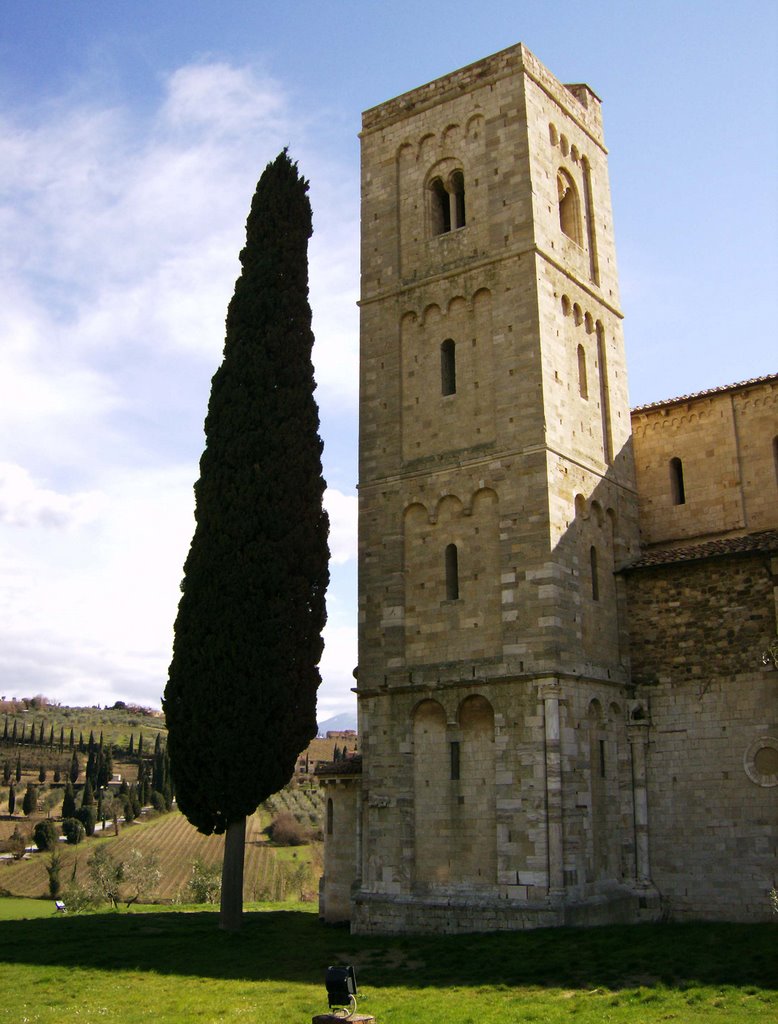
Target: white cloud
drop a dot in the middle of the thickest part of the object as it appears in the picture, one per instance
(127, 230)
(24, 503)
(342, 510)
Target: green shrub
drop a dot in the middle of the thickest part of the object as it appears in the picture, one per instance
(205, 885)
(45, 835)
(73, 831)
(88, 818)
(285, 830)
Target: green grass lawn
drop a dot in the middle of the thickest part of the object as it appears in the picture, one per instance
(174, 966)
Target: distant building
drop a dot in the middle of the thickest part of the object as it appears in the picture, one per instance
(565, 717)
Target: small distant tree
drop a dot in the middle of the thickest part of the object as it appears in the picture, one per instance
(42, 774)
(131, 747)
(141, 876)
(30, 801)
(50, 800)
(17, 843)
(205, 885)
(57, 774)
(75, 768)
(19, 768)
(53, 869)
(11, 798)
(88, 818)
(45, 835)
(73, 831)
(6, 772)
(68, 801)
(105, 875)
(88, 796)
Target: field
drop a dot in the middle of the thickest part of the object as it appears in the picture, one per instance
(176, 967)
(270, 873)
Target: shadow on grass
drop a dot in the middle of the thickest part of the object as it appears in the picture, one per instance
(291, 946)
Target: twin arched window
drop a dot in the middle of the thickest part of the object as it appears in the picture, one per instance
(447, 211)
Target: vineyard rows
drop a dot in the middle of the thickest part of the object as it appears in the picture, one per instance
(175, 844)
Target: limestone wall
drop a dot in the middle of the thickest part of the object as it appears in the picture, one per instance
(725, 442)
(698, 629)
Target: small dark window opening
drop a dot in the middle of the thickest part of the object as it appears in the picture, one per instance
(595, 575)
(602, 759)
(329, 817)
(441, 208)
(452, 573)
(583, 386)
(775, 457)
(676, 482)
(454, 748)
(448, 368)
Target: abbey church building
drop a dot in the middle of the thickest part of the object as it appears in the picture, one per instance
(567, 680)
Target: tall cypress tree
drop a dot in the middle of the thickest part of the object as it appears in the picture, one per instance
(241, 694)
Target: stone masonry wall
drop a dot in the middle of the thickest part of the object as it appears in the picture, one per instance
(697, 632)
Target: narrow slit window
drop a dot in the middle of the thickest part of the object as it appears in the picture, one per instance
(452, 573)
(448, 368)
(677, 489)
(602, 759)
(330, 817)
(454, 749)
(583, 386)
(595, 573)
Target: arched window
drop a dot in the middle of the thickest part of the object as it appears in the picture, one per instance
(595, 573)
(677, 490)
(330, 816)
(452, 573)
(569, 207)
(447, 203)
(583, 387)
(448, 368)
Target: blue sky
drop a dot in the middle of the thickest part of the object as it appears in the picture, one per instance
(132, 136)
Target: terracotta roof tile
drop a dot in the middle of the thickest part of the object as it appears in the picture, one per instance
(765, 540)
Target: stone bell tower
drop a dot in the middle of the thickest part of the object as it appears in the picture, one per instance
(497, 497)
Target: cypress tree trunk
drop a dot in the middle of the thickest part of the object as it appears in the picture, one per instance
(231, 907)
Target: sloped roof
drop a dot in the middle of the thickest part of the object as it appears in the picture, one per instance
(710, 391)
(764, 541)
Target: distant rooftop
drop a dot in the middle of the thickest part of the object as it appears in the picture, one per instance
(710, 391)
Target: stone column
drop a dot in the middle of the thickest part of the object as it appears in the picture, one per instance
(549, 692)
(638, 738)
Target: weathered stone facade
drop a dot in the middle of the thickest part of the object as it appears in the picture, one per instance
(507, 749)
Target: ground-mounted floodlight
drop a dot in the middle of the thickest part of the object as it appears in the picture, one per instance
(341, 985)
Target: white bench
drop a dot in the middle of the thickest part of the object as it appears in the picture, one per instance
(59, 906)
